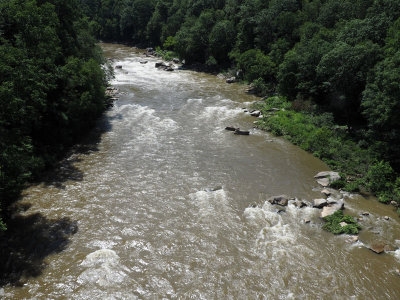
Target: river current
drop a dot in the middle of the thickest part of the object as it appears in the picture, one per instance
(163, 202)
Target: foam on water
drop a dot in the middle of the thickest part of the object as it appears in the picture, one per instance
(103, 268)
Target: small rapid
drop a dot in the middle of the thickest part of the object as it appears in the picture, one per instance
(170, 205)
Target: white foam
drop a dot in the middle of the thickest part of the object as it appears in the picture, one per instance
(103, 268)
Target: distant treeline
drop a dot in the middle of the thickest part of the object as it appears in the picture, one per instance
(338, 57)
(51, 86)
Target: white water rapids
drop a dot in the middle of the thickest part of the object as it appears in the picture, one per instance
(150, 226)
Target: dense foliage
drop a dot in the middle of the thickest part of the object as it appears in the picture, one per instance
(338, 57)
(348, 226)
(51, 86)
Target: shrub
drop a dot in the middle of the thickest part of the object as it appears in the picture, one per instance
(333, 224)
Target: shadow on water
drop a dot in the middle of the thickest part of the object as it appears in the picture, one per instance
(66, 169)
(30, 238)
(27, 242)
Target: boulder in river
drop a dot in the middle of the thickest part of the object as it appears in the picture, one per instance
(175, 60)
(242, 132)
(327, 177)
(378, 247)
(231, 128)
(231, 80)
(326, 192)
(118, 67)
(281, 200)
(160, 65)
(143, 62)
(256, 113)
(330, 209)
(299, 203)
(320, 203)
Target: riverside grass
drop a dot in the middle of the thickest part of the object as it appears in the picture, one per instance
(317, 133)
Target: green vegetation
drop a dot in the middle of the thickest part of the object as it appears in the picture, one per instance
(333, 224)
(51, 87)
(316, 132)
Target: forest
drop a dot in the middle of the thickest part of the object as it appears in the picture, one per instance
(334, 63)
(51, 87)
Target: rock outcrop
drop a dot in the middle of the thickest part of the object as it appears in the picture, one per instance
(327, 177)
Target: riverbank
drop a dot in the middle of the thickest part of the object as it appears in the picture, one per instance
(318, 134)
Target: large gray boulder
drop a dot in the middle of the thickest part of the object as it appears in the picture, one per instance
(327, 177)
(330, 209)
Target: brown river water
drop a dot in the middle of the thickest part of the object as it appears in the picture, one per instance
(149, 226)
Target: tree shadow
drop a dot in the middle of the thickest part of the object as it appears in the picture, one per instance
(30, 238)
(65, 170)
(28, 241)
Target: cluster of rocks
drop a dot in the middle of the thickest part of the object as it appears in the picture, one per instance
(111, 95)
(169, 67)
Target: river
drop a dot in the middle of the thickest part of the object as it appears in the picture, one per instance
(150, 226)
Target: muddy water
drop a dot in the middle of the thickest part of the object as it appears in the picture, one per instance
(149, 226)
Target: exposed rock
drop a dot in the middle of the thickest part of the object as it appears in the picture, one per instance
(331, 209)
(118, 67)
(242, 132)
(360, 219)
(221, 76)
(231, 80)
(306, 221)
(143, 62)
(365, 213)
(150, 50)
(389, 248)
(332, 200)
(326, 192)
(160, 65)
(256, 113)
(299, 203)
(281, 200)
(319, 203)
(386, 218)
(342, 224)
(230, 128)
(327, 177)
(169, 69)
(175, 60)
(251, 90)
(378, 247)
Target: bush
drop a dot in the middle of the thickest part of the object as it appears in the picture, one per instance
(333, 224)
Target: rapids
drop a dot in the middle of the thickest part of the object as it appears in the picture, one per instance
(149, 226)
